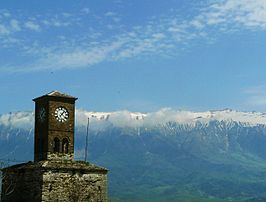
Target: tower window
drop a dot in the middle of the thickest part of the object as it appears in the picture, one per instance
(65, 146)
(56, 144)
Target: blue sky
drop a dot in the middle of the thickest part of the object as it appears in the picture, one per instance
(139, 55)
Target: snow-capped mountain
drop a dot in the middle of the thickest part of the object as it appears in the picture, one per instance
(17, 119)
(138, 119)
(168, 150)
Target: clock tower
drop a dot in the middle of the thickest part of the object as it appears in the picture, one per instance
(54, 126)
(54, 175)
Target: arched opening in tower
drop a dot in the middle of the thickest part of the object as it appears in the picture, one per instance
(56, 144)
(65, 146)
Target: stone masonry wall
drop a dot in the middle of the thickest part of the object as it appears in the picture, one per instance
(21, 185)
(74, 186)
(60, 156)
(54, 181)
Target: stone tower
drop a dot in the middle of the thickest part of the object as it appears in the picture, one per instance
(54, 126)
(54, 175)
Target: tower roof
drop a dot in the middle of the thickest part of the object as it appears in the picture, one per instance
(56, 94)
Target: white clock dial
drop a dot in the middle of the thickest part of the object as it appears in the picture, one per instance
(61, 114)
(41, 115)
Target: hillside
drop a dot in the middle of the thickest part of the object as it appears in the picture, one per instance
(163, 156)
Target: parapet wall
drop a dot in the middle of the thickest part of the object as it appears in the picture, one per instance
(49, 181)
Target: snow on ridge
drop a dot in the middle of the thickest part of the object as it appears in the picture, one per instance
(117, 118)
(137, 119)
(17, 119)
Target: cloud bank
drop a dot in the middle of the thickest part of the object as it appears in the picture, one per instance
(102, 120)
(114, 41)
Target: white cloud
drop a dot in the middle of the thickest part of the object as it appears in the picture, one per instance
(85, 10)
(197, 24)
(80, 58)
(110, 14)
(261, 89)
(248, 13)
(5, 13)
(56, 22)
(4, 30)
(116, 19)
(256, 95)
(15, 25)
(32, 26)
(18, 119)
(165, 115)
(158, 36)
(257, 100)
(52, 59)
(113, 16)
(101, 120)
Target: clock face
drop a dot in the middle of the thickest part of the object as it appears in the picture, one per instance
(42, 115)
(61, 114)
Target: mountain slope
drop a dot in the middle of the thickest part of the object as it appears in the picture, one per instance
(164, 156)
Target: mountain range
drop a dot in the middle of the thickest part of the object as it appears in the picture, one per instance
(167, 155)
